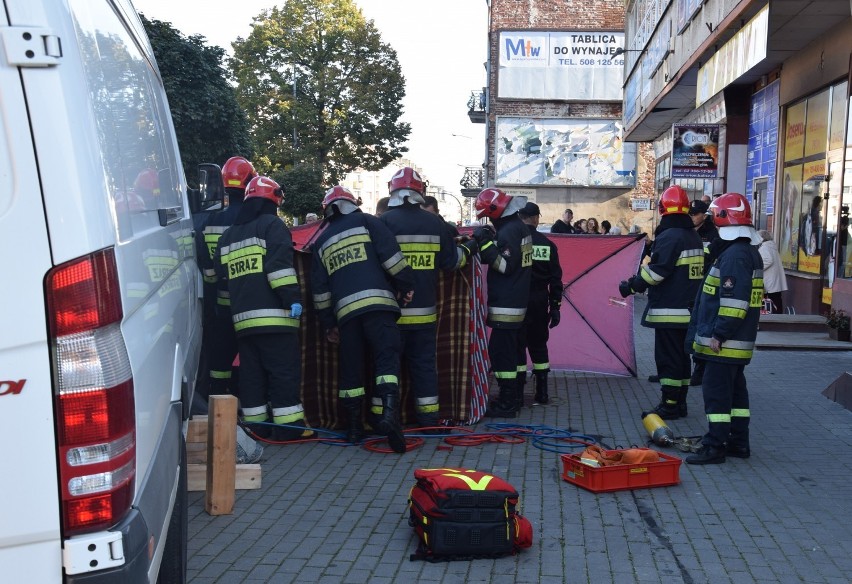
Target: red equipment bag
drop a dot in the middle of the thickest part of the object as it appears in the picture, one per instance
(462, 514)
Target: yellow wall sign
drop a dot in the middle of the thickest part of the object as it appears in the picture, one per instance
(794, 142)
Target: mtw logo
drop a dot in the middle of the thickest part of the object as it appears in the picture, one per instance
(524, 48)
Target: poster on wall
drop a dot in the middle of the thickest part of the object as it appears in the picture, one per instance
(791, 199)
(811, 216)
(695, 150)
(576, 65)
(563, 152)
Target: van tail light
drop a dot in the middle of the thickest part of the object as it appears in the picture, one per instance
(93, 386)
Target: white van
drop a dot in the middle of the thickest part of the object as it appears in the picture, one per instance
(99, 301)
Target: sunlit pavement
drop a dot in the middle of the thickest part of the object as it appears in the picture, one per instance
(339, 514)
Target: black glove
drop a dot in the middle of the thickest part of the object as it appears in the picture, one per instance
(483, 234)
(555, 317)
(624, 289)
(470, 247)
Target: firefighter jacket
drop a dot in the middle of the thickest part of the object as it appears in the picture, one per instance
(728, 305)
(357, 268)
(708, 234)
(427, 246)
(546, 269)
(673, 274)
(256, 260)
(509, 260)
(213, 230)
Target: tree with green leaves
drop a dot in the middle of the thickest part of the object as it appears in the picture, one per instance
(209, 123)
(320, 88)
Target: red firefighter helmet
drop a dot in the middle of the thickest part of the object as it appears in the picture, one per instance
(237, 173)
(340, 197)
(263, 187)
(406, 178)
(492, 203)
(731, 209)
(147, 182)
(673, 200)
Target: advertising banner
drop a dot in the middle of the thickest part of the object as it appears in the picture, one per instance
(563, 152)
(816, 126)
(763, 142)
(695, 150)
(560, 65)
(746, 49)
(794, 132)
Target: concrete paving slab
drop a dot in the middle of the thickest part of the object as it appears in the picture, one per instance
(339, 514)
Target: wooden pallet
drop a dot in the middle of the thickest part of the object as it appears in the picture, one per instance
(211, 463)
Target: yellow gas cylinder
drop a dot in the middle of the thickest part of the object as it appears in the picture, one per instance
(661, 435)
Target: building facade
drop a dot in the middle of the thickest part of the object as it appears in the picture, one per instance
(552, 106)
(753, 97)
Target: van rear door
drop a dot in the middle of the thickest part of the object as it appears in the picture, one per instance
(30, 547)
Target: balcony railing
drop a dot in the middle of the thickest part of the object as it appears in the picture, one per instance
(476, 106)
(473, 181)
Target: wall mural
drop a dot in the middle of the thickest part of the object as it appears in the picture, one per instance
(564, 152)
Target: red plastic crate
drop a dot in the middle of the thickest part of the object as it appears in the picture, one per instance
(623, 476)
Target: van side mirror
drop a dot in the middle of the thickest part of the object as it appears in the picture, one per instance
(210, 187)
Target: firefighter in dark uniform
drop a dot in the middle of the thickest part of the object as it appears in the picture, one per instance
(698, 212)
(427, 246)
(723, 330)
(545, 301)
(508, 254)
(359, 279)
(672, 277)
(255, 257)
(236, 175)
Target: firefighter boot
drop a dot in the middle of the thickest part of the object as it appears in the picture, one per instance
(389, 425)
(521, 381)
(354, 423)
(541, 396)
(505, 405)
(681, 402)
(668, 408)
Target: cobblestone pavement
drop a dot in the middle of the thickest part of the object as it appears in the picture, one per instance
(339, 514)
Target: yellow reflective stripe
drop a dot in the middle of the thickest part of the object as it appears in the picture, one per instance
(719, 418)
(522, 369)
(253, 249)
(669, 382)
(741, 413)
(712, 280)
(395, 264)
(380, 379)
(486, 246)
(418, 319)
(255, 418)
(371, 301)
(688, 261)
(354, 392)
(708, 289)
(724, 352)
(220, 374)
(506, 374)
(420, 246)
(650, 276)
(428, 409)
(732, 312)
(266, 321)
(288, 414)
(674, 318)
(541, 366)
(338, 243)
(479, 485)
(285, 281)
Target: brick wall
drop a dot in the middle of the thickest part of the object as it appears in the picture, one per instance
(591, 15)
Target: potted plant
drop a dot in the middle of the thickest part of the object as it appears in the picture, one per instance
(838, 322)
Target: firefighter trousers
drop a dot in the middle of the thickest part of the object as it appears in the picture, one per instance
(375, 334)
(271, 371)
(223, 351)
(419, 355)
(506, 351)
(673, 363)
(726, 405)
(537, 332)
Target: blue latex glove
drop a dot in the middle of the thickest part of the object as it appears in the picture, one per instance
(295, 310)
